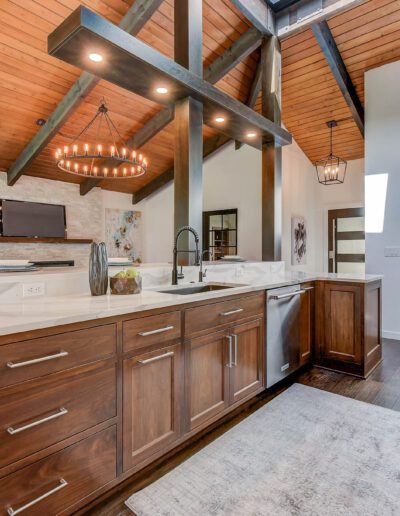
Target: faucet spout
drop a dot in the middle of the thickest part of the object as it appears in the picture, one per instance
(175, 275)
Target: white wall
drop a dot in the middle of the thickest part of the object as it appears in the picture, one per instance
(232, 179)
(382, 136)
(350, 194)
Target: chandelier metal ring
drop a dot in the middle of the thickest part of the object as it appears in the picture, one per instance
(120, 163)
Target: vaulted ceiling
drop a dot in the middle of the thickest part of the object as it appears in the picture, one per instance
(33, 83)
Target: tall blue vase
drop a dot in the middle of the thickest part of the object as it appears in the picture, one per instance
(98, 269)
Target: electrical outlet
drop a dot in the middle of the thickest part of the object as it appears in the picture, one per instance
(33, 289)
(392, 252)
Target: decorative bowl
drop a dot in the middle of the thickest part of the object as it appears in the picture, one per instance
(126, 286)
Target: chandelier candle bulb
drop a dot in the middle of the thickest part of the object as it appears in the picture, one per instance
(95, 171)
(99, 149)
(76, 167)
(68, 165)
(65, 151)
(112, 151)
(115, 172)
(75, 149)
(105, 171)
(124, 171)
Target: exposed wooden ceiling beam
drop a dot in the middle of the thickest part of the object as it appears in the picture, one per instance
(148, 67)
(210, 146)
(135, 18)
(220, 67)
(259, 14)
(328, 46)
(255, 89)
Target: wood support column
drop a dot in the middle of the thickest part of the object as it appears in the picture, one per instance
(271, 153)
(188, 153)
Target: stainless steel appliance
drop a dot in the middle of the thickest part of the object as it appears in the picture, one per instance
(283, 332)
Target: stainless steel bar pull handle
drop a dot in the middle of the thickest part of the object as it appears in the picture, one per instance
(229, 364)
(290, 294)
(231, 312)
(154, 332)
(234, 363)
(158, 357)
(62, 483)
(14, 365)
(61, 412)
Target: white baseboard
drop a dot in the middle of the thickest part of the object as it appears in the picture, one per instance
(391, 335)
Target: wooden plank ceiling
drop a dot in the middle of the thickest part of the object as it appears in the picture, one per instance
(32, 83)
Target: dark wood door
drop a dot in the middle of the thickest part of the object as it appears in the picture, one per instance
(306, 323)
(246, 373)
(346, 240)
(208, 377)
(152, 399)
(342, 322)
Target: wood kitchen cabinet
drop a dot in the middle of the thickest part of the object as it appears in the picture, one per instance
(307, 323)
(152, 403)
(208, 376)
(348, 319)
(246, 372)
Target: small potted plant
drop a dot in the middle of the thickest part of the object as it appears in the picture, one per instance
(126, 282)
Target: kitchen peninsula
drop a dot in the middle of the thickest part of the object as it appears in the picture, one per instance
(94, 389)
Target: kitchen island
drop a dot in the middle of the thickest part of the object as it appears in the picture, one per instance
(94, 389)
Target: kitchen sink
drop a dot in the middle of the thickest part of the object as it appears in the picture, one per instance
(199, 288)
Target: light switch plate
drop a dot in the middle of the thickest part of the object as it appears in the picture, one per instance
(392, 252)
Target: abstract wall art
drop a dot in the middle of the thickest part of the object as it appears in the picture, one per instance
(123, 234)
(299, 241)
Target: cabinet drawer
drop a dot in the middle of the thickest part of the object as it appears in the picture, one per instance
(53, 484)
(154, 329)
(21, 361)
(42, 412)
(217, 314)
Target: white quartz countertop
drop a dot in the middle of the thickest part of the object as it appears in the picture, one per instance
(25, 314)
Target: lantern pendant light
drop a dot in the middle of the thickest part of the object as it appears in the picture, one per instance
(106, 160)
(332, 169)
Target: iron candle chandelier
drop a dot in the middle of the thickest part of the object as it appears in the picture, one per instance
(85, 160)
(332, 169)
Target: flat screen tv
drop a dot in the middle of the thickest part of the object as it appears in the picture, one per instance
(32, 219)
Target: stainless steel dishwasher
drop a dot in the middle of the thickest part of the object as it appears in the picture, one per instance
(283, 332)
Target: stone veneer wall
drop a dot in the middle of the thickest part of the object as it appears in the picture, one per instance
(85, 218)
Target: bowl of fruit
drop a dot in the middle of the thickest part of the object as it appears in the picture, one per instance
(126, 282)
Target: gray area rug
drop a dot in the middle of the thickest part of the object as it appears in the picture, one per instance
(307, 452)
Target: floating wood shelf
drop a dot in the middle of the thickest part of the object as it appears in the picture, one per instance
(44, 240)
(147, 67)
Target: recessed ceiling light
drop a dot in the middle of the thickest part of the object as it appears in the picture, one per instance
(97, 58)
(251, 135)
(219, 119)
(162, 90)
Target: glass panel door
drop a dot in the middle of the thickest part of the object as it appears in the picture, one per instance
(346, 240)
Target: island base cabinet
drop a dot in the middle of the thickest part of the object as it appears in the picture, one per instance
(246, 371)
(208, 377)
(225, 368)
(51, 485)
(152, 406)
(349, 326)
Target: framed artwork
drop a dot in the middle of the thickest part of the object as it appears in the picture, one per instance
(124, 234)
(299, 241)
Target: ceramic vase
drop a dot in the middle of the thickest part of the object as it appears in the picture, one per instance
(98, 269)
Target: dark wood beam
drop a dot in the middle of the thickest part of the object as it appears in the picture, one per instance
(259, 14)
(88, 184)
(211, 145)
(271, 210)
(255, 89)
(188, 144)
(328, 46)
(147, 67)
(132, 22)
(221, 66)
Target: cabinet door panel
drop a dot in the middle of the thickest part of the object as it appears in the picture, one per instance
(343, 323)
(152, 403)
(208, 377)
(246, 374)
(306, 324)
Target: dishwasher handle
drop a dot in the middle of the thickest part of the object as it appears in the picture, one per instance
(289, 294)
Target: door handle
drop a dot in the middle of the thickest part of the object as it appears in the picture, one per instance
(14, 365)
(231, 312)
(62, 483)
(229, 337)
(61, 412)
(234, 363)
(154, 332)
(290, 294)
(158, 357)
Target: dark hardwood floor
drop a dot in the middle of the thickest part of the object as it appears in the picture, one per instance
(381, 388)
